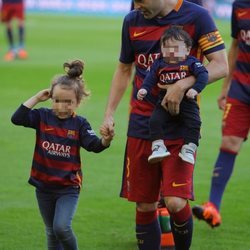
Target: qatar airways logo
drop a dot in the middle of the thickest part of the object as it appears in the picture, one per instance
(145, 61)
(56, 149)
(172, 76)
(245, 36)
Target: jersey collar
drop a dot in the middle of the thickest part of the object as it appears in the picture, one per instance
(178, 5)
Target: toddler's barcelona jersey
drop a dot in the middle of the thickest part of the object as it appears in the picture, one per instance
(165, 73)
(141, 46)
(240, 85)
(56, 160)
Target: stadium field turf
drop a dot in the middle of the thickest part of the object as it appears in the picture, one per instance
(103, 220)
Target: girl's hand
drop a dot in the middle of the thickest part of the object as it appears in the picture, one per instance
(107, 135)
(108, 126)
(43, 95)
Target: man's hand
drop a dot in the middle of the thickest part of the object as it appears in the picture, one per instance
(221, 100)
(172, 99)
(107, 136)
(107, 128)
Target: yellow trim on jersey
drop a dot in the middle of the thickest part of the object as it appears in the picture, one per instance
(199, 100)
(178, 5)
(210, 40)
(199, 53)
(127, 166)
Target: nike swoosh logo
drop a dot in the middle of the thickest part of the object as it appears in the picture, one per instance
(178, 184)
(243, 13)
(49, 129)
(136, 34)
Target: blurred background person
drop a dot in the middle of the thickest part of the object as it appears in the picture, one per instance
(11, 10)
(235, 101)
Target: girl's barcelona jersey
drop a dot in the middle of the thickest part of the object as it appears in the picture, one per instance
(56, 161)
(240, 22)
(141, 46)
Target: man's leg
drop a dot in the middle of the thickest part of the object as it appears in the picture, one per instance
(178, 182)
(209, 211)
(235, 128)
(141, 184)
(148, 232)
(181, 222)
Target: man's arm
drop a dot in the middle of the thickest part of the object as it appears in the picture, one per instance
(120, 82)
(232, 55)
(218, 65)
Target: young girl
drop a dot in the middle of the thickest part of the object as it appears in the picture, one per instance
(56, 168)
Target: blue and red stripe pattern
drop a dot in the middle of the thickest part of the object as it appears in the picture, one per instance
(240, 23)
(164, 73)
(141, 46)
(56, 160)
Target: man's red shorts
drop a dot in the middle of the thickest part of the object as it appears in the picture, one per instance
(236, 119)
(10, 11)
(143, 182)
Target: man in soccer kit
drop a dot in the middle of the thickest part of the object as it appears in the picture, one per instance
(10, 10)
(235, 101)
(142, 182)
(166, 239)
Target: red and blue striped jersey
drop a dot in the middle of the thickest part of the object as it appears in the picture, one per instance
(165, 73)
(240, 24)
(56, 160)
(141, 46)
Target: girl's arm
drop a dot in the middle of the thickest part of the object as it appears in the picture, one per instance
(90, 141)
(41, 96)
(21, 116)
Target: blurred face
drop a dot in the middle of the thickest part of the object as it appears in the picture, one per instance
(64, 102)
(174, 51)
(150, 8)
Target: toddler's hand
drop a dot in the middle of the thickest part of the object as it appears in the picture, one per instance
(141, 94)
(191, 94)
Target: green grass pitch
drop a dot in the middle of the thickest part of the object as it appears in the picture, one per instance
(103, 220)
